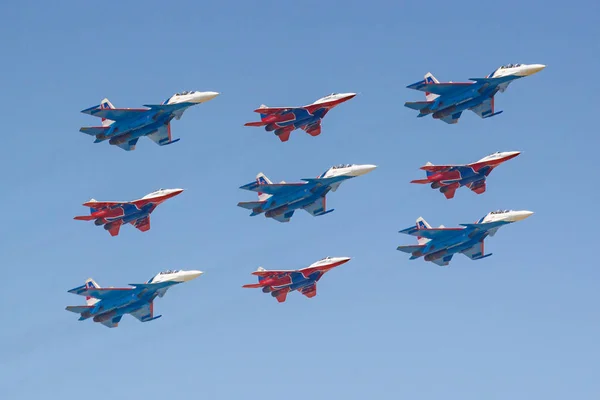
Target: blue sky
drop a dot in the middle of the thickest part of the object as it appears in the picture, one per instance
(521, 324)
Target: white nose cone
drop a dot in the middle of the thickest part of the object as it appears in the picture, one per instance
(185, 276)
(514, 216)
(357, 170)
(201, 97)
(526, 70)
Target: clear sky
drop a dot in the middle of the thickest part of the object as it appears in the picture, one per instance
(522, 324)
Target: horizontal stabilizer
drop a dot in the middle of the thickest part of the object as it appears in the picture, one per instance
(78, 309)
(418, 105)
(496, 113)
(84, 218)
(94, 130)
(410, 248)
(253, 285)
(250, 205)
(421, 181)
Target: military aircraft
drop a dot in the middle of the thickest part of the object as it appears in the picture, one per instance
(108, 305)
(113, 214)
(283, 120)
(447, 100)
(448, 178)
(280, 283)
(438, 245)
(280, 200)
(124, 126)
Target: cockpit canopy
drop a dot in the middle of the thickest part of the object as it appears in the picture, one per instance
(185, 92)
(505, 67)
(341, 166)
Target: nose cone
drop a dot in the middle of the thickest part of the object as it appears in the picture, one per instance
(173, 192)
(347, 96)
(189, 275)
(510, 154)
(337, 261)
(201, 97)
(357, 170)
(515, 216)
(531, 69)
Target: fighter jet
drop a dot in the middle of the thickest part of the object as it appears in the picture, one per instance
(283, 120)
(448, 178)
(280, 283)
(447, 100)
(113, 214)
(438, 245)
(108, 305)
(280, 200)
(124, 126)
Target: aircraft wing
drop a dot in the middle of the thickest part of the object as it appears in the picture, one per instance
(273, 273)
(438, 168)
(274, 110)
(112, 323)
(115, 114)
(284, 217)
(444, 261)
(485, 109)
(477, 186)
(318, 207)
(162, 136)
(476, 252)
(433, 233)
(445, 88)
(309, 291)
(144, 313)
(104, 204)
(313, 129)
(101, 293)
(452, 119)
(128, 146)
(143, 224)
(272, 188)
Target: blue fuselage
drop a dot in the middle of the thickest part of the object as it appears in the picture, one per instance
(301, 118)
(124, 131)
(306, 194)
(436, 248)
(472, 96)
(111, 308)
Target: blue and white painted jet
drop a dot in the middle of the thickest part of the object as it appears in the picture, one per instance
(447, 100)
(124, 126)
(108, 305)
(439, 245)
(280, 200)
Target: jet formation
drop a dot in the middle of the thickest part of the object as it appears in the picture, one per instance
(113, 214)
(283, 120)
(447, 100)
(108, 305)
(280, 200)
(281, 282)
(124, 126)
(439, 245)
(448, 178)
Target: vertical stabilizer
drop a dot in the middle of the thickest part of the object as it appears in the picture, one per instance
(422, 224)
(104, 105)
(91, 284)
(430, 79)
(262, 179)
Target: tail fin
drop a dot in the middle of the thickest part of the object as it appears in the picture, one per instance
(430, 79)
(262, 179)
(429, 173)
(260, 269)
(91, 284)
(106, 104)
(263, 116)
(92, 209)
(422, 224)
